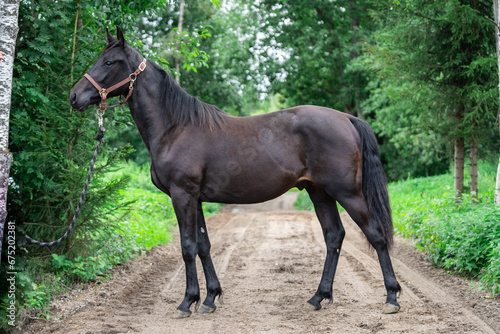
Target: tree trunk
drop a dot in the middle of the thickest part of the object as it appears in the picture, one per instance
(459, 168)
(496, 10)
(8, 33)
(179, 27)
(473, 171)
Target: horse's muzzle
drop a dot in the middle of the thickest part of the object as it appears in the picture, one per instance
(77, 102)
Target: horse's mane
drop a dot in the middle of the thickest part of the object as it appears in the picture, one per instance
(185, 109)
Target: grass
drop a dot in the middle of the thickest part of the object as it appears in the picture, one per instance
(462, 237)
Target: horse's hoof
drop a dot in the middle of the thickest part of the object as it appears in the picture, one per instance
(310, 307)
(206, 309)
(178, 314)
(390, 308)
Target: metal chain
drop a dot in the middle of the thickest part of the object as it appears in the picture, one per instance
(99, 139)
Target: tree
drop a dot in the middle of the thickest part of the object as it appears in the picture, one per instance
(52, 143)
(410, 145)
(311, 49)
(231, 80)
(444, 49)
(496, 10)
(8, 34)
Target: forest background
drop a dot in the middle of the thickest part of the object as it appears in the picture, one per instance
(424, 74)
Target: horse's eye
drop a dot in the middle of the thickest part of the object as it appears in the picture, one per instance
(108, 63)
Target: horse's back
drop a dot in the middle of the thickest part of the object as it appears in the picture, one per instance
(260, 157)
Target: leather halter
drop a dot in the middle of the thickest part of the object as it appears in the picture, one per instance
(103, 92)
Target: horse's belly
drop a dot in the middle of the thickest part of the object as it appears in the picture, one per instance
(246, 188)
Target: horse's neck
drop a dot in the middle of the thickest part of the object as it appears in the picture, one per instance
(145, 107)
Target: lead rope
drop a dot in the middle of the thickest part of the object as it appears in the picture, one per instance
(99, 138)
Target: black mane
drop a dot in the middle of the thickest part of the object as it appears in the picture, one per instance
(185, 109)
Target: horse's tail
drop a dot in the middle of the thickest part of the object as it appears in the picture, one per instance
(374, 180)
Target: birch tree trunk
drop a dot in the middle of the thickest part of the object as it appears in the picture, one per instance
(496, 9)
(179, 27)
(9, 10)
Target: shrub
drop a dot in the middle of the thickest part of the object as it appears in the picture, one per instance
(462, 237)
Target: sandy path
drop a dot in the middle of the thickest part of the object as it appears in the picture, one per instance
(269, 260)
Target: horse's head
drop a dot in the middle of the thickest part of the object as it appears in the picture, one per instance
(116, 63)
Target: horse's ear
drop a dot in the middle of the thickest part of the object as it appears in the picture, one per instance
(110, 37)
(119, 35)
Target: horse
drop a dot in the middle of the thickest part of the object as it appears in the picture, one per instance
(201, 154)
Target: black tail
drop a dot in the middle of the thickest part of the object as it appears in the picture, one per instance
(374, 180)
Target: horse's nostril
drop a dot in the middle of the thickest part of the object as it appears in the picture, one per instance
(72, 98)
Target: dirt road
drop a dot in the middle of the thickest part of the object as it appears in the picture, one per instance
(269, 260)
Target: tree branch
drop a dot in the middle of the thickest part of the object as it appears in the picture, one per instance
(492, 21)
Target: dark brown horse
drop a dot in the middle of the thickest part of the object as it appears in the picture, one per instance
(201, 154)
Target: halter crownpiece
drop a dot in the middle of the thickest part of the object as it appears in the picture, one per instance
(103, 92)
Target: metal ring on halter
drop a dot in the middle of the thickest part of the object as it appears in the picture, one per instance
(132, 78)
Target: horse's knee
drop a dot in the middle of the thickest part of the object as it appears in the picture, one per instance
(204, 247)
(189, 251)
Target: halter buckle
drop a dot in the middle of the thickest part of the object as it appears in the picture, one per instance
(142, 65)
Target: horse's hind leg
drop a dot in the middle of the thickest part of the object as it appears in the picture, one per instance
(357, 208)
(213, 285)
(333, 232)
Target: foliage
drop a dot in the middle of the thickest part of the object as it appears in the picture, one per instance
(87, 269)
(410, 145)
(434, 63)
(303, 202)
(463, 238)
(309, 50)
(193, 57)
(51, 143)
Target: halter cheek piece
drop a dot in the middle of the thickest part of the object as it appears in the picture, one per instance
(103, 92)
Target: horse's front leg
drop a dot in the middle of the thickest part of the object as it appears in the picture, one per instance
(185, 206)
(213, 285)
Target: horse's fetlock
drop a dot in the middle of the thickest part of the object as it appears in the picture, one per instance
(326, 295)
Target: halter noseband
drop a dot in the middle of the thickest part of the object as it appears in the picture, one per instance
(103, 92)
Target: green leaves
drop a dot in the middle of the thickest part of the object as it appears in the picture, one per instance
(187, 45)
(318, 41)
(463, 238)
(87, 269)
(60, 262)
(52, 144)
